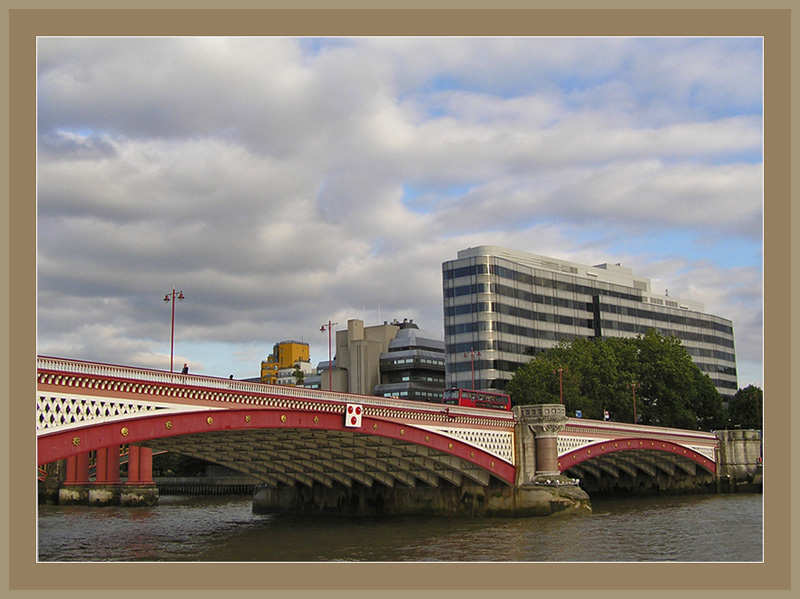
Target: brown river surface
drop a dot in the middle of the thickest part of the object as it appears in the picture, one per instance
(695, 528)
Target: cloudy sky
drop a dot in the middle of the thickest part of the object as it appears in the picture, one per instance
(284, 182)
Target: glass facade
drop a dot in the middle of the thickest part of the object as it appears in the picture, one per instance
(502, 307)
(413, 367)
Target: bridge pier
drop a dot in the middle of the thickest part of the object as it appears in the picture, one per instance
(107, 489)
(537, 432)
(140, 489)
(468, 500)
(739, 467)
(75, 488)
(539, 489)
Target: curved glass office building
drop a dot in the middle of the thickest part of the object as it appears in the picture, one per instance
(502, 307)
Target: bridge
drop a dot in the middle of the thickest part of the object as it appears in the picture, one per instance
(332, 448)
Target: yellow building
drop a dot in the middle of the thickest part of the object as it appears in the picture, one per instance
(284, 355)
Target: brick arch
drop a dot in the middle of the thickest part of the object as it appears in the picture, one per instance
(144, 429)
(595, 450)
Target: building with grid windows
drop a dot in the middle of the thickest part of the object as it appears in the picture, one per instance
(413, 366)
(502, 307)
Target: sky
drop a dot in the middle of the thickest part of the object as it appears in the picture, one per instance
(282, 183)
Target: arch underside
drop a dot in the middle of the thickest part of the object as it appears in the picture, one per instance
(636, 459)
(634, 463)
(328, 457)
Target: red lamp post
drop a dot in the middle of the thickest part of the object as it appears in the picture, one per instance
(472, 364)
(632, 385)
(330, 360)
(167, 298)
(560, 370)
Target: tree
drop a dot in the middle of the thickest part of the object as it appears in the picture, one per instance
(746, 408)
(538, 382)
(604, 374)
(667, 379)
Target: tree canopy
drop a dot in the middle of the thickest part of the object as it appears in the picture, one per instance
(746, 408)
(599, 375)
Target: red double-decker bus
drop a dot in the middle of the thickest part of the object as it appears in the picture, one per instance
(477, 399)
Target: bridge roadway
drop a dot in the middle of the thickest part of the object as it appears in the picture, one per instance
(289, 435)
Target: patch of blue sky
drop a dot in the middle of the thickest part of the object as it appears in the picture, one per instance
(376, 247)
(217, 359)
(723, 252)
(720, 157)
(80, 131)
(316, 45)
(516, 83)
(424, 199)
(741, 157)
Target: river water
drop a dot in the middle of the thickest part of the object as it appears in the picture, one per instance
(694, 528)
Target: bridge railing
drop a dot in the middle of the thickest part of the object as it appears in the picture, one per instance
(97, 369)
(614, 429)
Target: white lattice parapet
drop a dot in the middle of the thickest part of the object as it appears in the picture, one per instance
(58, 413)
(497, 443)
(71, 394)
(155, 386)
(569, 443)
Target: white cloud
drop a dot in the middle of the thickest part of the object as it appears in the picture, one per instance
(281, 183)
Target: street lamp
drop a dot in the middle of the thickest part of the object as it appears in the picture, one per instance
(632, 386)
(167, 298)
(472, 364)
(330, 360)
(560, 370)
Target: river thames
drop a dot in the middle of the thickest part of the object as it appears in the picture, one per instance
(689, 528)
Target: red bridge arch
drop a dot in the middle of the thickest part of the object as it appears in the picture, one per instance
(635, 444)
(225, 425)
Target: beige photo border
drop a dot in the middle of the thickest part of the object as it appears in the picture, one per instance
(25, 25)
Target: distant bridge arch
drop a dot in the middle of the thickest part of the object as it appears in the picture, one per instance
(604, 460)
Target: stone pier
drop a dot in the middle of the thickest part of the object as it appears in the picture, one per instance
(540, 489)
(107, 489)
(740, 467)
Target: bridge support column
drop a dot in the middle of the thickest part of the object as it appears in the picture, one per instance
(140, 490)
(75, 488)
(739, 466)
(525, 451)
(106, 488)
(545, 421)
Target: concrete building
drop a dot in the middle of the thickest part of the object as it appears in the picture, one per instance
(358, 353)
(502, 307)
(395, 359)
